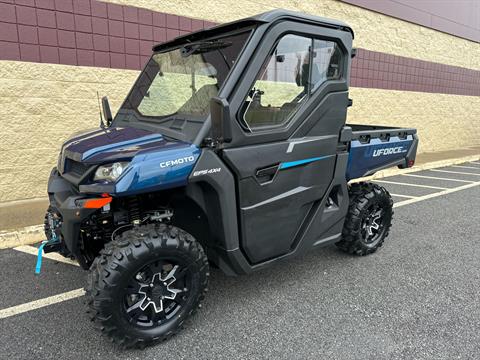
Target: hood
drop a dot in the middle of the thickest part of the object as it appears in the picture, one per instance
(113, 144)
(155, 162)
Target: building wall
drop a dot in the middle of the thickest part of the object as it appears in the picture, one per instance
(51, 70)
(41, 105)
(373, 31)
(459, 18)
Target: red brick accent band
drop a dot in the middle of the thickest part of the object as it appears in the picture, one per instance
(86, 32)
(371, 69)
(94, 33)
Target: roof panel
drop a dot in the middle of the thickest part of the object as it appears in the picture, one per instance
(267, 17)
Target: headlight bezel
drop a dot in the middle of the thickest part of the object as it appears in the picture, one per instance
(110, 172)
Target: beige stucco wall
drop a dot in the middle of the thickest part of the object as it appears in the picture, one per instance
(443, 121)
(42, 104)
(373, 31)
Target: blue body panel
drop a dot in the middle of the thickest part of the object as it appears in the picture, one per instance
(98, 145)
(376, 154)
(158, 163)
(158, 169)
(155, 162)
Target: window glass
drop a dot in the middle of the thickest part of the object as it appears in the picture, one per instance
(326, 62)
(183, 88)
(278, 90)
(288, 77)
(181, 82)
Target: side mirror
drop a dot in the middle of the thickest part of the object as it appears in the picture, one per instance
(107, 113)
(220, 115)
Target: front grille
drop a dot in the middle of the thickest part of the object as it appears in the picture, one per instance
(75, 168)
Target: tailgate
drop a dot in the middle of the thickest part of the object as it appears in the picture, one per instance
(374, 150)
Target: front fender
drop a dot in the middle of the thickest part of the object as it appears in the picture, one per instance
(212, 187)
(151, 171)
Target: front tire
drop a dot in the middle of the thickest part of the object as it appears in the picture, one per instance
(146, 283)
(368, 220)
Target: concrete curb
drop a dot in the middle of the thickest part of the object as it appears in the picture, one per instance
(34, 234)
(27, 235)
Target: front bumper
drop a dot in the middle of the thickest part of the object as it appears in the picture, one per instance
(63, 199)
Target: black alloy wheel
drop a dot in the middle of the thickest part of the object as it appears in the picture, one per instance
(146, 283)
(157, 292)
(368, 220)
(373, 225)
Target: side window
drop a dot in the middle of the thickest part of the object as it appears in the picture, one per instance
(297, 66)
(326, 62)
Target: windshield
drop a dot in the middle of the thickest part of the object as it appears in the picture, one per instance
(175, 88)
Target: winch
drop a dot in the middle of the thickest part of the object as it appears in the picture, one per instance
(51, 225)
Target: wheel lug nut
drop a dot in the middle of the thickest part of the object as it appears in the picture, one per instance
(151, 285)
(148, 299)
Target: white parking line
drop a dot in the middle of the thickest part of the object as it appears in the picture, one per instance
(407, 184)
(32, 250)
(437, 178)
(466, 167)
(37, 304)
(440, 193)
(405, 196)
(455, 172)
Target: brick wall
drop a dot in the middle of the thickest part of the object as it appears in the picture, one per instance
(372, 69)
(86, 33)
(100, 34)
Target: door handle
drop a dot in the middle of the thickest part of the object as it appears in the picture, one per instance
(266, 174)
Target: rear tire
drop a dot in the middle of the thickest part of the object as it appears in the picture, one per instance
(368, 220)
(145, 284)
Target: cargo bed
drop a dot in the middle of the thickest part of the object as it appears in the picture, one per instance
(373, 148)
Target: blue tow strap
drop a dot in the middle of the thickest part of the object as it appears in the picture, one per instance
(39, 257)
(52, 240)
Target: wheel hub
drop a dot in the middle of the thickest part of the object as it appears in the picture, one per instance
(372, 224)
(158, 290)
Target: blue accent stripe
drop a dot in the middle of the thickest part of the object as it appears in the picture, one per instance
(290, 164)
(142, 140)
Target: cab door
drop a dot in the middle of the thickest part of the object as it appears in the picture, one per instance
(287, 125)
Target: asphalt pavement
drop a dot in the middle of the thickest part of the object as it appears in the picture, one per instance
(418, 297)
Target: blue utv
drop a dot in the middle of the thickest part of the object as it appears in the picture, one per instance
(230, 151)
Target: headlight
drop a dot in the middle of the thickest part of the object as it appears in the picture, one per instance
(110, 172)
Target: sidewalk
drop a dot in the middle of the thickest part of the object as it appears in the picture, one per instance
(449, 155)
(21, 222)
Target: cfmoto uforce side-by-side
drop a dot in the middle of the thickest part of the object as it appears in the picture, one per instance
(231, 150)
